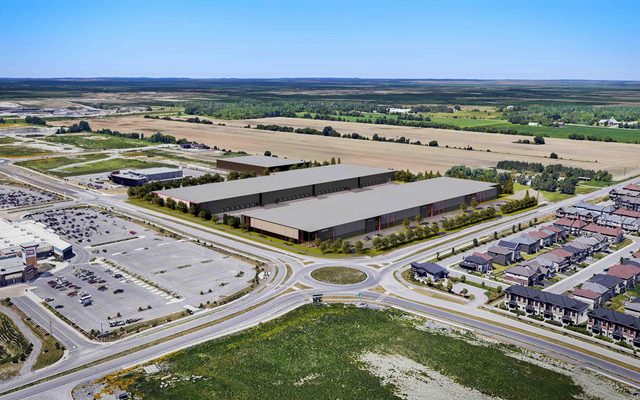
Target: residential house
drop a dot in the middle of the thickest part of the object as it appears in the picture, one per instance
(561, 258)
(633, 307)
(573, 226)
(608, 286)
(428, 271)
(615, 325)
(629, 273)
(528, 244)
(633, 187)
(502, 255)
(578, 254)
(510, 244)
(615, 235)
(523, 275)
(551, 306)
(479, 262)
(545, 237)
(623, 212)
(561, 233)
(546, 267)
(629, 202)
(596, 244)
(593, 298)
(583, 245)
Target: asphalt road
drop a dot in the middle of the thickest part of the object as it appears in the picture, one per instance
(278, 296)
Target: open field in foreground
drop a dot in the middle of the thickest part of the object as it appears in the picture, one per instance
(342, 352)
(618, 158)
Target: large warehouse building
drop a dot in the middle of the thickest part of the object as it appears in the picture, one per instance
(283, 186)
(257, 164)
(349, 214)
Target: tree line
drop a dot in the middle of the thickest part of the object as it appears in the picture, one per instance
(503, 179)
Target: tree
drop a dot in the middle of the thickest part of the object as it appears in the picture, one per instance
(267, 153)
(449, 286)
(554, 156)
(405, 223)
(475, 242)
(346, 247)
(433, 143)
(474, 203)
(538, 140)
(359, 247)
(417, 219)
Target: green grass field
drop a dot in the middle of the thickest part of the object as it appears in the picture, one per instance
(96, 142)
(14, 151)
(467, 122)
(338, 275)
(7, 140)
(312, 353)
(111, 164)
(44, 165)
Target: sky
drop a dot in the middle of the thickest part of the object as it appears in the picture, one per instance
(461, 39)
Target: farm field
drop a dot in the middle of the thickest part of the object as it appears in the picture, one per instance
(96, 142)
(614, 157)
(341, 352)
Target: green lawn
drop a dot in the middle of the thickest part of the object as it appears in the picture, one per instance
(338, 275)
(13, 151)
(556, 196)
(111, 164)
(312, 353)
(7, 140)
(44, 165)
(96, 142)
(619, 135)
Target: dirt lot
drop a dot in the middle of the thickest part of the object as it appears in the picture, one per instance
(615, 157)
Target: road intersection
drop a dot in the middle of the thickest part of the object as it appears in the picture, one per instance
(288, 287)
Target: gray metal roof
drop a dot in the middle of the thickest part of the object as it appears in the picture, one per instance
(10, 265)
(270, 183)
(316, 214)
(264, 161)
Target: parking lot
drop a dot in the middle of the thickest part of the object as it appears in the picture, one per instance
(86, 225)
(16, 197)
(153, 270)
(110, 294)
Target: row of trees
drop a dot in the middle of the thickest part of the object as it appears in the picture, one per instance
(592, 138)
(409, 235)
(33, 120)
(339, 246)
(559, 169)
(407, 176)
(571, 114)
(140, 192)
(82, 126)
(516, 205)
(464, 219)
(503, 179)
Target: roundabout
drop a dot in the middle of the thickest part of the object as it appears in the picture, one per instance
(339, 275)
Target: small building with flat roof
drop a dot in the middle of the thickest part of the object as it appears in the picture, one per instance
(258, 164)
(223, 197)
(137, 177)
(351, 213)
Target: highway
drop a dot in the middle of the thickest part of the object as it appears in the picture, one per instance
(281, 293)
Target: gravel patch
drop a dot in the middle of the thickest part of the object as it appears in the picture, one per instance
(414, 381)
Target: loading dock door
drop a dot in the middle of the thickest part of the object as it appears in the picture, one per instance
(371, 225)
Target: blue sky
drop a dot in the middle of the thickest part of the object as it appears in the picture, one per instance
(369, 39)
